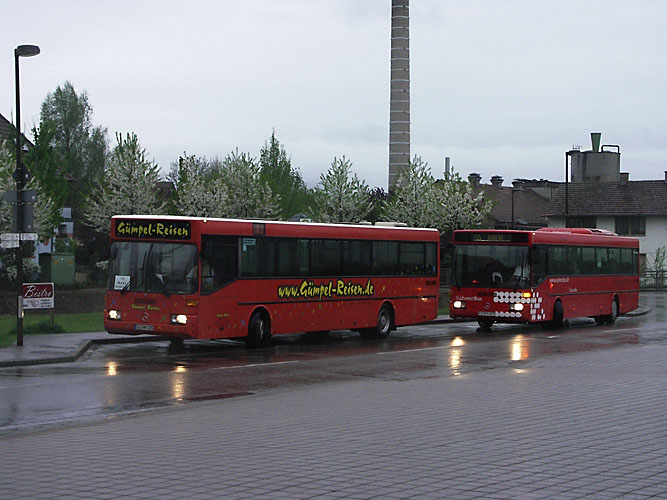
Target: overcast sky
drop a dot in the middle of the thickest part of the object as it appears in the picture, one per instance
(502, 87)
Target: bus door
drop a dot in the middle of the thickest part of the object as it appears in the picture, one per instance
(218, 305)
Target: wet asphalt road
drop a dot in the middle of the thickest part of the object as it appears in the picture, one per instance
(128, 378)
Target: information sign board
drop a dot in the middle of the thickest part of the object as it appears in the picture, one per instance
(38, 296)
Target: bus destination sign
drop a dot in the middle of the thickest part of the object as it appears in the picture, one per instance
(490, 237)
(153, 229)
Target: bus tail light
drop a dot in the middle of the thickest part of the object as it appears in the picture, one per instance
(179, 319)
(459, 304)
(114, 314)
(516, 307)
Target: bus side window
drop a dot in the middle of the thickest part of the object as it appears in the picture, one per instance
(627, 266)
(588, 260)
(385, 258)
(557, 261)
(602, 266)
(614, 264)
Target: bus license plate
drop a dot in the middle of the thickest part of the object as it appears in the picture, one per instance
(144, 328)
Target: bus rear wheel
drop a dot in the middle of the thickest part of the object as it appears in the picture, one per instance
(608, 318)
(611, 319)
(259, 331)
(384, 326)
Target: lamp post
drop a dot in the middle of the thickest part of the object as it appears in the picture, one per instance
(568, 154)
(516, 187)
(19, 174)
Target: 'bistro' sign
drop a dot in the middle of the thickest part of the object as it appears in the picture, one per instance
(38, 295)
(153, 229)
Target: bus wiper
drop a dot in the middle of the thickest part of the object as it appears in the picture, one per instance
(160, 278)
(126, 287)
(520, 276)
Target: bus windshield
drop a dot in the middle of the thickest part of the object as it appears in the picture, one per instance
(153, 267)
(491, 265)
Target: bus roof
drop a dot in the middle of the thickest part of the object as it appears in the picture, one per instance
(546, 236)
(210, 225)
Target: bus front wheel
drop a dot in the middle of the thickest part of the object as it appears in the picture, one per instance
(485, 324)
(557, 321)
(259, 331)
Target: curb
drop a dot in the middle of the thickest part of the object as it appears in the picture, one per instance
(136, 340)
(79, 351)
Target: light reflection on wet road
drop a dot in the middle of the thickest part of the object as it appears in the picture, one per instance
(121, 378)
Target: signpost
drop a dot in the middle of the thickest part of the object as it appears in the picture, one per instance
(39, 296)
(9, 240)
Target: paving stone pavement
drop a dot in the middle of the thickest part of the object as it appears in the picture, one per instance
(585, 425)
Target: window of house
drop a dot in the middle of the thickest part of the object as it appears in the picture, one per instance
(590, 222)
(631, 225)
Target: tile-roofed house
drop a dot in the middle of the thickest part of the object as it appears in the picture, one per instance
(600, 196)
(633, 208)
(7, 131)
(526, 195)
(610, 198)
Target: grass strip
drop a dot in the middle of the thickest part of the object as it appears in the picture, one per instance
(38, 324)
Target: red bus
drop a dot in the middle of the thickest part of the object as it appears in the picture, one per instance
(197, 278)
(543, 276)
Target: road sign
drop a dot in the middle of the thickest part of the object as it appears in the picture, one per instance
(9, 196)
(9, 240)
(38, 295)
(27, 196)
(28, 236)
(26, 175)
(28, 222)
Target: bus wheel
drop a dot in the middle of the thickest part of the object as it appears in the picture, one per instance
(176, 346)
(485, 324)
(557, 321)
(259, 333)
(384, 325)
(611, 319)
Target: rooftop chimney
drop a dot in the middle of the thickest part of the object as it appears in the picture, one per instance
(623, 178)
(595, 141)
(497, 181)
(474, 179)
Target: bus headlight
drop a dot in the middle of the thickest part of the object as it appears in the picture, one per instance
(458, 304)
(114, 314)
(179, 319)
(516, 307)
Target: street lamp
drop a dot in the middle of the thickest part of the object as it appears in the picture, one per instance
(19, 174)
(567, 183)
(517, 186)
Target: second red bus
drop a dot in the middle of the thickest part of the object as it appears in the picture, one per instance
(543, 276)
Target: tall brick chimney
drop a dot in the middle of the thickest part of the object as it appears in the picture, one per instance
(399, 101)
